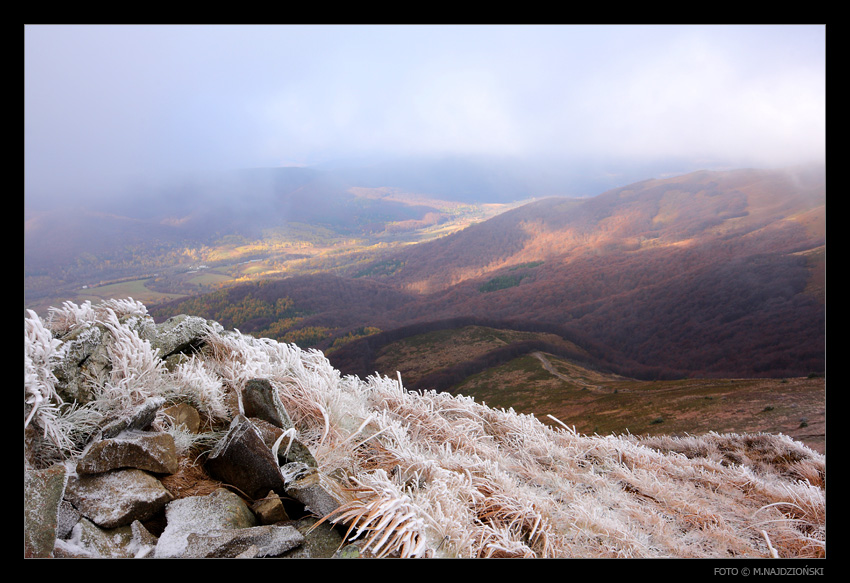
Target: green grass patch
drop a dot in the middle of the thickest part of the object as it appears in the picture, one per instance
(501, 282)
(528, 265)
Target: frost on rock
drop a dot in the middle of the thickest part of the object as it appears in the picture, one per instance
(131, 495)
(220, 510)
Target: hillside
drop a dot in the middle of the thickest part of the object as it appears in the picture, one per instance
(712, 274)
(540, 373)
(413, 474)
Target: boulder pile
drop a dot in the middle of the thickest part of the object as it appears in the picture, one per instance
(252, 492)
(122, 497)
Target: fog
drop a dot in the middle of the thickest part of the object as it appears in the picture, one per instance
(109, 109)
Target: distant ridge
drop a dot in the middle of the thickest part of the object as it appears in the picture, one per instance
(709, 273)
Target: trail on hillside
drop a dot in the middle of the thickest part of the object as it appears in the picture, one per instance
(550, 368)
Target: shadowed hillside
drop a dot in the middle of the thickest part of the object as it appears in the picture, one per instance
(709, 274)
(715, 273)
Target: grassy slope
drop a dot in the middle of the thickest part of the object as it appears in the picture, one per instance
(595, 402)
(433, 474)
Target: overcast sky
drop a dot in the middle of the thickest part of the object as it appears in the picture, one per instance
(105, 104)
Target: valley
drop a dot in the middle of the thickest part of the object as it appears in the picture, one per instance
(668, 306)
(171, 266)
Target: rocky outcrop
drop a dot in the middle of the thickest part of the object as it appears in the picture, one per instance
(111, 502)
(116, 498)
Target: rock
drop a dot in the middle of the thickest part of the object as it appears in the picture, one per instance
(220, 510)
(259, 541)
(270, 510)
(320, 542)
(185, 415)
(43, 490)
(84, 354)
(351, 551)
(180, 334)
(260, 399)
(303, 484)
(89, 540)
(242, 459)
(289, 451)
(144, 542)
(143, 450)
(118, 497)
(140, 419)
(68, 517)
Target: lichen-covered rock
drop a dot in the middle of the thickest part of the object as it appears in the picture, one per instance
(84, 355)
(180, 334)
(321, 541)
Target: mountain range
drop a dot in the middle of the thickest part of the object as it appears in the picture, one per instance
(709, 273)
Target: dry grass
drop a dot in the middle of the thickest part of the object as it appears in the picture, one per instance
(435, 475)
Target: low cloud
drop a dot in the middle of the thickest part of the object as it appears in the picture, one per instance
(106, 105)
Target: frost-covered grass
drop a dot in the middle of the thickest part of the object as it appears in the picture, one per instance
(431, 474)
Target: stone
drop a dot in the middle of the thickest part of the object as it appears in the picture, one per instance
(289, 450)
(303, 483)
(260, 399)
(180, 334)
(270, 510)
(351, 551)
(321, 541)
(118, 497)
(141, 418)
(243, 460)
(68, 517)
(220, 510)
(144, 543)
(184, 415)
(84, 354)
(89, 540)
(269, 540)
(151, 451)
(43, 491)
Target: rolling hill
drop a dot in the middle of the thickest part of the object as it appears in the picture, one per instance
(716, 273)
(712, 274)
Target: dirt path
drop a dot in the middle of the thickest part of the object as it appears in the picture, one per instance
(553, 371)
